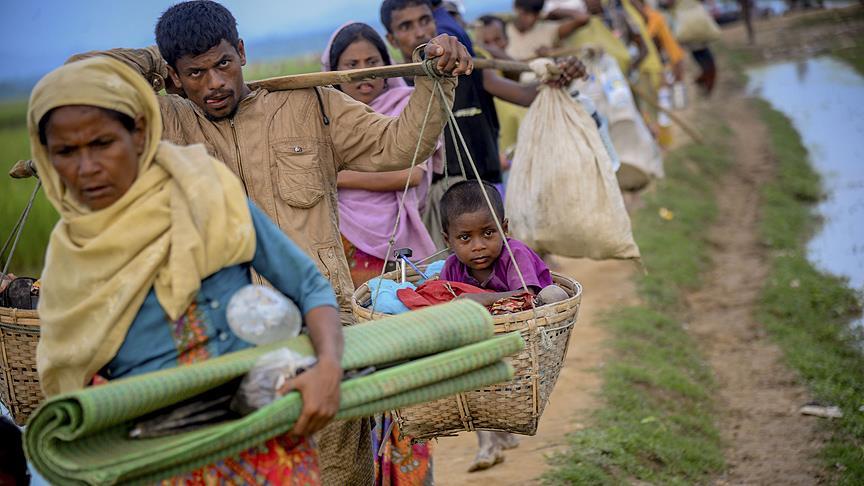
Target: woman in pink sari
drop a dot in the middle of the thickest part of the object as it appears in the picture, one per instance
(369, 202)
(368, 208)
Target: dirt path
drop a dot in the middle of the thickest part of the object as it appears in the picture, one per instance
(768, 441)
(606, 284)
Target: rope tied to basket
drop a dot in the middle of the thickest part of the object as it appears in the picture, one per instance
(455, 127)
(458, 139)
(17, 229)
(429, 69)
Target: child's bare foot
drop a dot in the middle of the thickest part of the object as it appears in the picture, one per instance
(486, 459)
(507, 440)
(492, 445)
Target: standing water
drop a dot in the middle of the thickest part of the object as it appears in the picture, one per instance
(824, 98)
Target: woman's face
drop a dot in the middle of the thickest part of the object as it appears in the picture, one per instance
(94, 154)
(362, 54)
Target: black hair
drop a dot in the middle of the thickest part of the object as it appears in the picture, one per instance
(487, 20)
(467, 197)
(127, 121)
(193, 28)
(535, 6)
(351, 34)
(389, 6)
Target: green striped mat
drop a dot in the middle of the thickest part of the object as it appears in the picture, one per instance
(81, 437)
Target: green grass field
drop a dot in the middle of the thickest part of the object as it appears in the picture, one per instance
(14, 145)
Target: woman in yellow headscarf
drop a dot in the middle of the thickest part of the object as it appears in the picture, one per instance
(153, 240)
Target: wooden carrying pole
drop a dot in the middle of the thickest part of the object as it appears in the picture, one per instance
(672, 116)
(326, 78)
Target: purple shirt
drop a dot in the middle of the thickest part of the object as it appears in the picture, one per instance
(504, 277)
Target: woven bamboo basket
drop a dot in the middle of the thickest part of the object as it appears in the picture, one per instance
(19, 382)
(514, 406)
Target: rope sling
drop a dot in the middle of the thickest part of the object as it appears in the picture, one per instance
(17, 229)
(455, 131)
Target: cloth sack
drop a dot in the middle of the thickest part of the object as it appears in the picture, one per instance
(693, 25)
(563, 197)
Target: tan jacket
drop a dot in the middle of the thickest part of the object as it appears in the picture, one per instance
(287, 157)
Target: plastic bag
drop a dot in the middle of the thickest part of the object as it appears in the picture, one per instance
(602, 127)
(638, 153)
(261, 315)
(261, 385)
(563, 197)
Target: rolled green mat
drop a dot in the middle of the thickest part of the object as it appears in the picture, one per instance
(101, 451)
(488, 375)
(75, 418)
(396, 338)
(408, 384)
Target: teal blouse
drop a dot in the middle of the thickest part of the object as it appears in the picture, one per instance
(155, 342)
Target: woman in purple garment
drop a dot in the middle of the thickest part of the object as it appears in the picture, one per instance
(368, 209)
(369, 202)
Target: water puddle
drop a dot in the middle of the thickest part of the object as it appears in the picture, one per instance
(824, 98)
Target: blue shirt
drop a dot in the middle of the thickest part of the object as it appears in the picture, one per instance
(446, 24)
(154, 342)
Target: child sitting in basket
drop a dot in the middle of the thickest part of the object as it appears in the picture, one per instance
(480, 258)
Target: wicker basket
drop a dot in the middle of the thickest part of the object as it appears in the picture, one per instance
(514, 406)
(19, 382)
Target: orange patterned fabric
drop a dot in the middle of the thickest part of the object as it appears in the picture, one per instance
(279, 461)
(399, 462)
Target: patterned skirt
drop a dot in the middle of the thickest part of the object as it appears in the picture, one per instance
(283, 460)
(398, 462)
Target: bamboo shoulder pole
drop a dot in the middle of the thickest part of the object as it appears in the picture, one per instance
(326, 78)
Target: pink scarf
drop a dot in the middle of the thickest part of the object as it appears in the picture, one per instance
(366, 218)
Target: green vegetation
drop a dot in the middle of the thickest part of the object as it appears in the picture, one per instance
(853, 55)
(845, 46)
(656, 423)
(13, 114)
(806, 311)
(14, 194)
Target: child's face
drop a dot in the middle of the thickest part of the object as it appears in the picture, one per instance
(475, 239)
(524, 20)
(492, 35)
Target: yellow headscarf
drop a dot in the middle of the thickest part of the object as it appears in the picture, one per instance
(184, 218)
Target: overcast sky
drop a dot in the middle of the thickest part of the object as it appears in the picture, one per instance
(40, 34)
